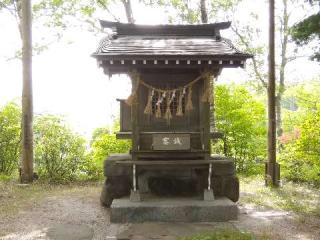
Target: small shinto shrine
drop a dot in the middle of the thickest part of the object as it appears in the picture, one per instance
(170, 173)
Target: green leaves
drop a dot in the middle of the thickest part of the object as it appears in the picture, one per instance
(242, 119)
(59, 152)
(306, 31)
(10, 137)
(106, 144)
(184, 11)
(300, 156)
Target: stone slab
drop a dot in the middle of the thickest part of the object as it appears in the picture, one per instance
(170, 231)
(173, 210)
(70, 232)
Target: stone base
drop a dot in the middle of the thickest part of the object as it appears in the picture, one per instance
(208, 195)
(173, 210)
(135, 196)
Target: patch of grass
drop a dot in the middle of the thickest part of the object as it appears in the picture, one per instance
(223, 234)
(5, 178)
(296, 197)
(15, 197)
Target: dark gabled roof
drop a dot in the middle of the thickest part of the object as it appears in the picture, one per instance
(201, 43)
(211, 29)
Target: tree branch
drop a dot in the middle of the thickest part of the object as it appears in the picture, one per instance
(254, 61)
(103, 5)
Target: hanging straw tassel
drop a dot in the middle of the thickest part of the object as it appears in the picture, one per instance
(168, 114)
(133, 97)
(189, 105)
(206, 97)
(148, 108)
(158, 105)
(179, 109)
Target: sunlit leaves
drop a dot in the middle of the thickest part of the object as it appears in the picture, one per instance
(306, 31)
(184, 11)
(300, 157)
(242, 119)
(10, 137)
(59, 152)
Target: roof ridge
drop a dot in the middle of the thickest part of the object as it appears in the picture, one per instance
(208, 29)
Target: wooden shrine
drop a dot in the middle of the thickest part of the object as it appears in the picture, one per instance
(168, 114)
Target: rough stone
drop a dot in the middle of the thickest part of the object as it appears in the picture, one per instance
(111, 169)
(70, 232)
(114, 187)
(231, 188)
(173, 210)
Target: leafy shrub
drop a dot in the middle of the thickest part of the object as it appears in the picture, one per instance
(242, 119)
(103, 145)
(301, 158)
(10, 138)
(59, 152)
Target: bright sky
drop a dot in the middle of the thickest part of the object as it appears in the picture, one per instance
(67, 81)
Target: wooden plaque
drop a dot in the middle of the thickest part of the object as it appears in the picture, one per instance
(171, 141)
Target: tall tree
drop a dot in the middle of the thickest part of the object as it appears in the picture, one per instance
(203, 10)
(284, 36)
(27, 101)
(271, 99)
(128, 8)
(247, 35)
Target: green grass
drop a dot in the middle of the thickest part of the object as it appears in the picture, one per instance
(296, 197)
(223, 234)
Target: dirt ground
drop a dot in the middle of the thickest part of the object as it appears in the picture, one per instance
(81, 207)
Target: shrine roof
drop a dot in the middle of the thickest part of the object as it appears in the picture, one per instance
(160, 42)
(209, 29)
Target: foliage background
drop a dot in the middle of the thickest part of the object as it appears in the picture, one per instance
(63, 155)
(242, 119)
(10, 135)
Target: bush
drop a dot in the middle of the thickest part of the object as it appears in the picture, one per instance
(104, 145)
(10, 138)
(301, 157)
(59, 152)
(242, 119)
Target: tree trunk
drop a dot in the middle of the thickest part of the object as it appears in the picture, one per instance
(27, 101)
(271, 102)
(128, 8)
(204, 13)
(283, 64)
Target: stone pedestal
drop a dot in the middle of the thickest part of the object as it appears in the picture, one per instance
(173, 210)
(135, 196)
(208, 195)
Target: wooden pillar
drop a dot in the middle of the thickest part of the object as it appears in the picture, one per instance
(271, 166)
(27, 101)
(204, 121)
(135, 120)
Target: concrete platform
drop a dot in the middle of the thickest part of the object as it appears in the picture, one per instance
(173, 210)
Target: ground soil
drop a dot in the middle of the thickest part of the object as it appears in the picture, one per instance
(81, 207)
